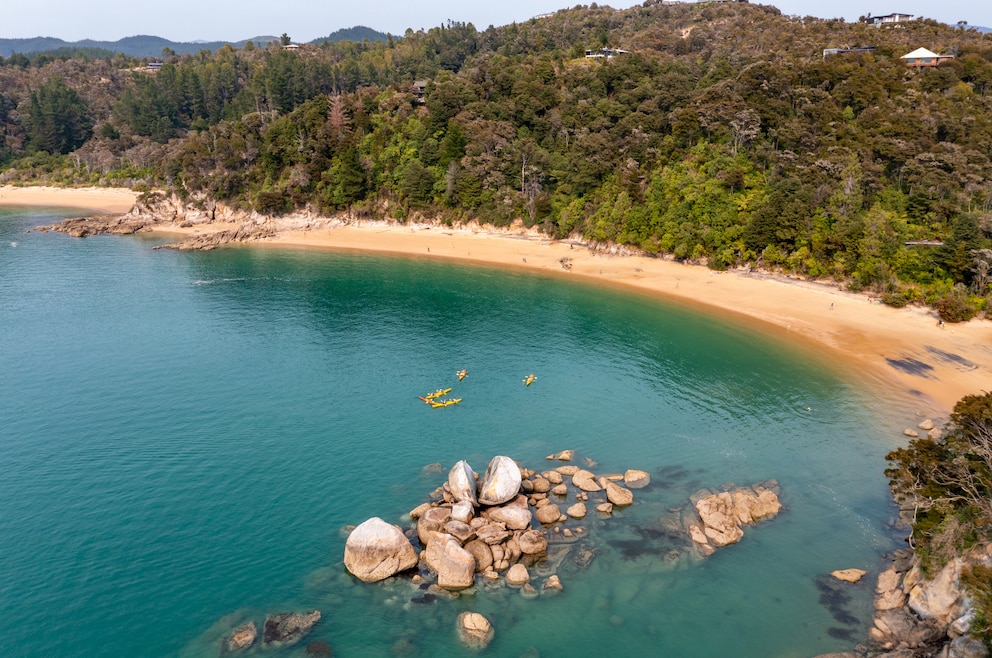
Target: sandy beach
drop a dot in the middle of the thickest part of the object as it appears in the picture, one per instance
(903, 348)
(100, 199)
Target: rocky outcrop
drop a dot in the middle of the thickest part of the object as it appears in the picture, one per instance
(213, 239)
(720, 518)
(461, 483)
(376, 550)
(288, 627)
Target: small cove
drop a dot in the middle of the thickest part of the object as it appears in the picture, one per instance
(185, 434)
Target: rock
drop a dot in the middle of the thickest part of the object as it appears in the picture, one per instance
(376, 550)
(605, 508)
(474, 630)
(552, 583)
(454, 566)
(542, 485)
(618, 495)
(463, 532)
(319, 649)
(585, 481)
(568, 470)
(554, 477)
(461, 483)
(417, 511)
(935, 434)
(888, 580)
(528, 592)
(719, 519)
(492, 533)
(849, 575)
(560, 490)
(517, 575)
(432, 469)
(577, 511)
(501, 482)
(242, 637)
(967, 647)
(548, 514)
(941, 597)
(513, 517)
(482, 553)
(532, 542)
(635, 479)
(563, 456)
(911, 433)
(288, 627)
(463, 511)
(432, 520)
(926, 425)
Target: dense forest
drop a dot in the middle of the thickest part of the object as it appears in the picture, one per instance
(716, 133)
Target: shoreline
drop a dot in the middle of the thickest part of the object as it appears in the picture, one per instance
(905, 348)
(100, 199)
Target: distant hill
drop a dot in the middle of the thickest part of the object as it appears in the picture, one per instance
(358, 33)
(151, 46)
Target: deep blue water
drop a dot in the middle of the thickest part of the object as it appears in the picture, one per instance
(183, 437)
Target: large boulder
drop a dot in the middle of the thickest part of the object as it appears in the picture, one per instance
(482, 553)
(461, 483)
(376, 550)
(454, 566)
(517, 575)
(288, 627)
(513, 517)
(501, 483)
(431, 521)
(548, 514)
(941, 597)
(474, 630)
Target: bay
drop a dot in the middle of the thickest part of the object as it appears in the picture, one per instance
(183, 437)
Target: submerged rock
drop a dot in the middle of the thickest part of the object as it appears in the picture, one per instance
(242, 637)
(635, 479)
(474, 630)
(288, 627)
(376, 550)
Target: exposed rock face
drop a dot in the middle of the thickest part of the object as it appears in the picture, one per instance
(288, 627)
(722, 515)
(242, 637)
(474, 630)
(376, 550)
(501, 482)
(454, 566)
(461, 483)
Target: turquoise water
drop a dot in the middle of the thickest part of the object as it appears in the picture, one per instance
(183, 437)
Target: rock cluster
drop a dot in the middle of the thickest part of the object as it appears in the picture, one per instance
(717, 519)
(281, 629)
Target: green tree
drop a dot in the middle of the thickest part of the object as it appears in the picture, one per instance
(58, 120)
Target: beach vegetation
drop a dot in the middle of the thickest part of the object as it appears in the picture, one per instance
(722, 135)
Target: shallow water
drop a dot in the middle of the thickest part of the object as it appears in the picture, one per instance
(184, 435)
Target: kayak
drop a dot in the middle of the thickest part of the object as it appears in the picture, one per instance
(462, 374)
(436, 394)
(529, 379)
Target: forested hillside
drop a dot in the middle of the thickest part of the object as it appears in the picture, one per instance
(723, 134)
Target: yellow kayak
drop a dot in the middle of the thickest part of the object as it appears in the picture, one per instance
(529, 379)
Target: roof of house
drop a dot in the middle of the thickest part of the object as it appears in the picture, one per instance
(920, 53)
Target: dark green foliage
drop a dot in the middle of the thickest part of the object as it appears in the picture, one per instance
(951, 479)
(723, 136)
(58, 120)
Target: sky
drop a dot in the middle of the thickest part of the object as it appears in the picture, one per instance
(305, 20)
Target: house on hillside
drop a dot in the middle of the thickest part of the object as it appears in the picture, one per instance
(888, 19)
(420, 91)
(922, 57)
(291, 46)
